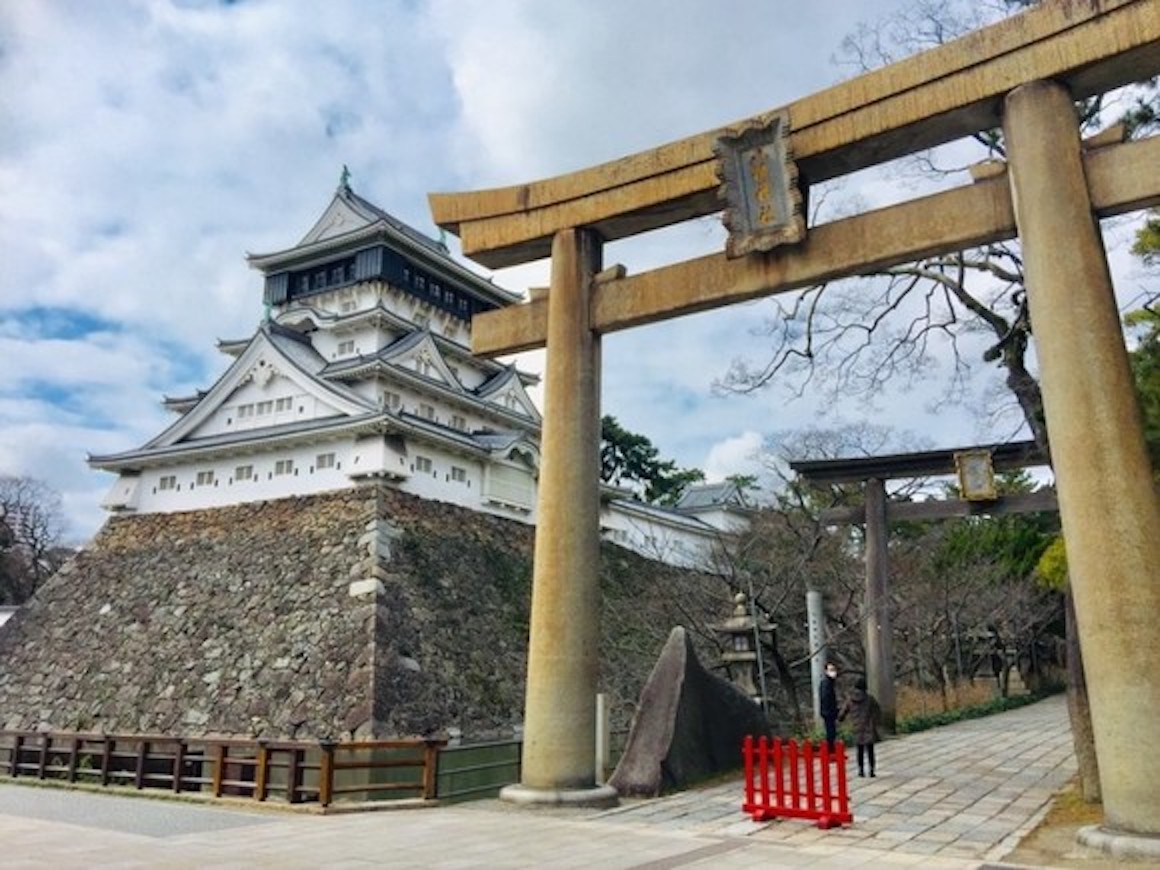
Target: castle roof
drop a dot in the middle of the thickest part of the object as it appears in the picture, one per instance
(712, 496)
(350, 222)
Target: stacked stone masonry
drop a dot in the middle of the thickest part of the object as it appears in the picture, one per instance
(364, 613)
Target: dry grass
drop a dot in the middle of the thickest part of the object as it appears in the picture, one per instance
(916, 702)
(1069, 808)
(1053, 842)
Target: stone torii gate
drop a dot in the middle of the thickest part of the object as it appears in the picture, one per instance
(1023, 73)
(877, 513)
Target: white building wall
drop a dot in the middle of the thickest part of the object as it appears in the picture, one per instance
(422, 470)
(663, 539)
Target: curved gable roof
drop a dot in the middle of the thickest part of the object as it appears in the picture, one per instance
(301, 364)
(348, 212)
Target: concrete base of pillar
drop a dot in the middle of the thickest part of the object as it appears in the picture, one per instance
(597, 796)
(1122, 845)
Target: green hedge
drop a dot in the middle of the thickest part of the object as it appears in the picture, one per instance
(923, 721)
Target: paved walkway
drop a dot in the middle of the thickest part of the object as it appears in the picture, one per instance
(953, 797)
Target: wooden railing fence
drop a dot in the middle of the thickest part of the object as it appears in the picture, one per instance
(294, 771)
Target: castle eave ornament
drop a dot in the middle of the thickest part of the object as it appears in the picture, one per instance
(759, 186)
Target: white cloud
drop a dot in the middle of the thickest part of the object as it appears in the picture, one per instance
(734, 455)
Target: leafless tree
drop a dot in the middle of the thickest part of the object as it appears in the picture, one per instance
(31, 525)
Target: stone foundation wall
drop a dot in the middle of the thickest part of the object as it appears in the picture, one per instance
(362, 613)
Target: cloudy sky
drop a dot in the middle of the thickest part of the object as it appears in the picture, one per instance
(148, 145)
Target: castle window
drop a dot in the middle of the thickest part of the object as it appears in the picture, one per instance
(337, 274)
(324, 460)
(459, 475)
(346, 348)
(283, 404)
(283, 466)
(423, 464)
(319, 280)
(427, 411)
(265, 407)
(204, 478)
(392, 400)
(244, 472)
(245, 412)
(458, 422)
(169, 481)
(346, 306)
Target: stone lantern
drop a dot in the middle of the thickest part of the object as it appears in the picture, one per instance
(742, 654)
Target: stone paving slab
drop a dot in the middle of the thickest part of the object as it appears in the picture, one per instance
(968, 790)
(954, 797)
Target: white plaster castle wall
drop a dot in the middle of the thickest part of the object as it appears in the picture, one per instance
(664, 540)
(423, 470)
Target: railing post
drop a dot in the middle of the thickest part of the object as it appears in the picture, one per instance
(219, 768)
(106, 758)
(45, 741)
(178, 764)
(294, 776)
(794, 791)
(326, 772)
(808, 761)
(430, 765)
(747, 757)
(142, 751)
(262, 772)
(14, 761)
(843, 790)
(72, 759)
(778, 773)
(827, 760)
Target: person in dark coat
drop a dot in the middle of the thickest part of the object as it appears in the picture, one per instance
(864, 713)
(828, 703)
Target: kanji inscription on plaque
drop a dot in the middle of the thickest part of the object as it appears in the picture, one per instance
(759, 186)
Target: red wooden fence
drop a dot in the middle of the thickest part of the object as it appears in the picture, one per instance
(806, 783)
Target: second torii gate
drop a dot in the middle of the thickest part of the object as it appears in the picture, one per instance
(1024, 73)
(875, 516)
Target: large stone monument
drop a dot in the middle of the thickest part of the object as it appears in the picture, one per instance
(689, 725)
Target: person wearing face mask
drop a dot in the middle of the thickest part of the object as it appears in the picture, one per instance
(828, 703)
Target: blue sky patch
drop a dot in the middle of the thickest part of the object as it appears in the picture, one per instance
(51, 322)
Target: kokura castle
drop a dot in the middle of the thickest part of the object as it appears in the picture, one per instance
(362, 372)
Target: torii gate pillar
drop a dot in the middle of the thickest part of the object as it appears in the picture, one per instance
(1107, 500)
(878, 642)
(559, 754)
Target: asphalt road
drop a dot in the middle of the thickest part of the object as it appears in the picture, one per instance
(129, 815)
